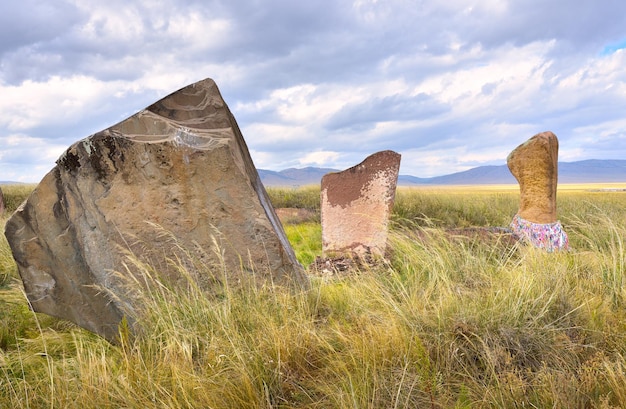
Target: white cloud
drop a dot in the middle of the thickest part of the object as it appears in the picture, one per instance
(22, 156)
(319, 158)
(57, 100)
(516, 73)
(268, 136)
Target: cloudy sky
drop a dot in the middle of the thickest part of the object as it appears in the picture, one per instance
(448, 84)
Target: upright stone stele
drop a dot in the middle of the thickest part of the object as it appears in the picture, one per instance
(172, 184)
(535, 166)
(356, 206)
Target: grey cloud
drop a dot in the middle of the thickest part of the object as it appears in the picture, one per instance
(27, 28)
(489, 88)
(278, 27)
(575, 24)
(392, 108)
(28, 22)
(61, 44)
(282, 42)
(447, 134)
(288, 42)
(611, 146)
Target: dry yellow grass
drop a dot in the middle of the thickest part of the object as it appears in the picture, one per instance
(444, 324)
(461, 189)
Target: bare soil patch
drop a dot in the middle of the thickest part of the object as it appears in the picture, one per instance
(291, 215)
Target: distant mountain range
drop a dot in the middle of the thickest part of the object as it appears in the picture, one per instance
(585, 171)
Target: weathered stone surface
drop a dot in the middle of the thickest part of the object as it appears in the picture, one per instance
(1, 203)
(173, 182)
(534, 165)
(356, 205)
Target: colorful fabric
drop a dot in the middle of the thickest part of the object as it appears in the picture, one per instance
(550, 236)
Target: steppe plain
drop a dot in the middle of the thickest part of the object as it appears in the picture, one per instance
(443, 322)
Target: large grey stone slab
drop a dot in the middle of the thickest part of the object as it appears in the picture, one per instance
(172, 184)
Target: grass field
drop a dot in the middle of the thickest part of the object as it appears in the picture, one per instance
(446, 322)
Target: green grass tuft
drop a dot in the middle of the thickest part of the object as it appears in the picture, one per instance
(306, 240)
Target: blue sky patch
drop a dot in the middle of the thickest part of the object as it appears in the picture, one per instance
(611, 48)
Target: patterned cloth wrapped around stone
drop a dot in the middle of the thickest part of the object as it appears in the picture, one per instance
(549, 236)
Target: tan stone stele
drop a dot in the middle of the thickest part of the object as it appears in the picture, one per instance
(356, 206)
(173, 182)
(535, 166)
